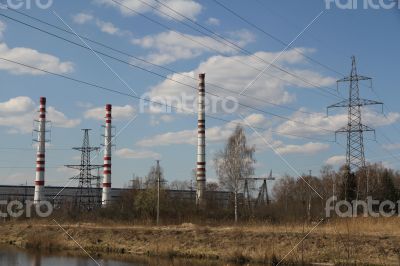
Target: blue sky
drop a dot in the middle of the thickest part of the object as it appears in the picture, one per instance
(371, 35)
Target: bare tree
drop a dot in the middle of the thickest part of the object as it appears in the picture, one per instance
(235, 163)
(213, 186)
(152, 177)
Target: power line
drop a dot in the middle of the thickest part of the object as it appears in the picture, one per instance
(284, 43)
(384, 107)
(160, 75)
(27, 167)
(32, 149)
(252, 24)
(172, 71)
(386, 150)
(393, 126)
(274, 37)
(245, 51)
(147, 100)
(219, 36)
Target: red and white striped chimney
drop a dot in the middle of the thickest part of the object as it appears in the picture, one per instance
(40, 155)
(106, 196)
(201, 144)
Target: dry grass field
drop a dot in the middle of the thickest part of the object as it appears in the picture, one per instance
(361, 241)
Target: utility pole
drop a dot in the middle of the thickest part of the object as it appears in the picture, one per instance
(355, 156)
(246, 194)
(309, 200)
(134, 182)
(158, 190)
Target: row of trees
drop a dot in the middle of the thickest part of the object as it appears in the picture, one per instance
(293, 198)
(302, 198)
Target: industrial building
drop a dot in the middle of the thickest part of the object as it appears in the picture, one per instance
(61, 195)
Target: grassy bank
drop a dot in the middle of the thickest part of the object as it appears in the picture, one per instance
(362, 241)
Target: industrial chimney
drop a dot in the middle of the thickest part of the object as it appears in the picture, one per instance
(40, 155)
(106, 196)
(201, 144)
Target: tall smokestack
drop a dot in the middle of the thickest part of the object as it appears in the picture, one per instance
(40, 155)
(201, 144)
(106, 196)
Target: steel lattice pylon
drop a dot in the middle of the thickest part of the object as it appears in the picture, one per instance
(355, 155)
(88, 196)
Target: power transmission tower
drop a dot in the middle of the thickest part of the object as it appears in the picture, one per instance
(263, 197)
(355, 154)
(87, 196)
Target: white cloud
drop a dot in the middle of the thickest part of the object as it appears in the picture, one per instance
(263, 140)
(3, 28)
(17, 114)
(82, 18)
(107, 27)
(171, 46)
(336, 160)
(137, 154)
(59, 119)
(33, 58)
(256, 120)
(118, 113)
(213, 134)
(170, 138)
(103, 26)
(157, 120)
(331, 123)
(308, 148)
(67, 171)
(213, 21)
(85, 105)
(391, 147)
(189, 8)
(234, 76)
(19, 104)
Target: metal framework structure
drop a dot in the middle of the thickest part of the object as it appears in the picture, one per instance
(88, 196)
(355, 154)
(263, 196)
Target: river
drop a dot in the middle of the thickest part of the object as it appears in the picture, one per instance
(17, 257)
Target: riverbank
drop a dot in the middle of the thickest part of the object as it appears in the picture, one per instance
(361, 241)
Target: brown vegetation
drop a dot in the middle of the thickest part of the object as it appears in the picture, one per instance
(369, 241)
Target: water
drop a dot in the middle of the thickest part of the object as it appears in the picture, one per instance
(17, 257)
